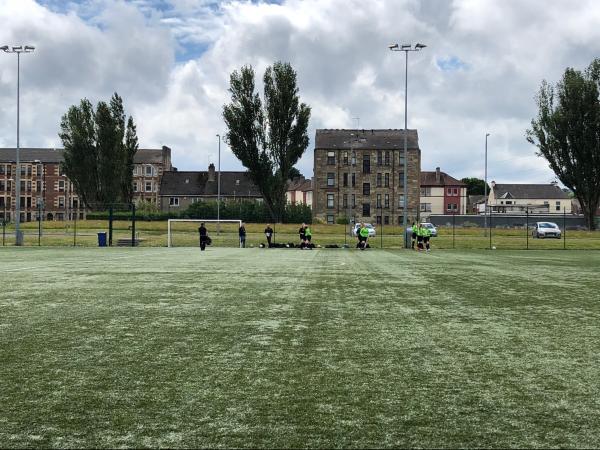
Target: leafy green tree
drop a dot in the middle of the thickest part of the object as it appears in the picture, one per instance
(294, 173)
(475, 186)
(267, 137)
(567, 134)
(99, 150)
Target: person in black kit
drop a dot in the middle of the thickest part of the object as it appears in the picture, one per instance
(269, 234)
(203, 236)
(243, 235)
(302, 235)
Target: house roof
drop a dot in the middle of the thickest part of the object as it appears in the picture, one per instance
(300, 184)
(365, 139)
(473, 199)
(175, 183)
(528, 191)
(429, 179)
(55, 155)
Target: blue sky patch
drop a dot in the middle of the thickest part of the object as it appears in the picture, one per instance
(451, 64)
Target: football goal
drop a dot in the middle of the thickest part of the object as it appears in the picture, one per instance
(184, 232)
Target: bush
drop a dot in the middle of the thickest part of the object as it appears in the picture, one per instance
(248, 211)
(343, 220)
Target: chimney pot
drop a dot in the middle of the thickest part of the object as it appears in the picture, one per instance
(437, 174)
(211, 172)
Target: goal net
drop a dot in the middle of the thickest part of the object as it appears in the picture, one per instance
(184, 232)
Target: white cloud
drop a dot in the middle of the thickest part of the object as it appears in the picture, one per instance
(483, 65)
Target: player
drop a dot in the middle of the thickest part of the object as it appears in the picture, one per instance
(302, 235)
(269, 234)
(420, 235)
(414, 235)
(242, 233)
(364, 236)
(307, 237)
(426, 237)
(203, 232)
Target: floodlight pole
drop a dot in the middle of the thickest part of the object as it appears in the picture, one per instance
(219, 188)
(18, 50)
(485, 197)
(406, 48)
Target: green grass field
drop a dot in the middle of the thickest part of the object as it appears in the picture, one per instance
(157, 347)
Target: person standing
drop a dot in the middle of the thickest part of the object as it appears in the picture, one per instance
(420, 235)
(308, 236)
(414, 235)
(242, 233)
(364, 234)
(302, 235)
(269, 234)
(426, 237)
(203, 236)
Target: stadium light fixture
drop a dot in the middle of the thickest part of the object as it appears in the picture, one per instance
(219, 188)
(18, 49)
(485, 198)
(406, 48)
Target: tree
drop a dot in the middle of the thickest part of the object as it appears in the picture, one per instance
(567, 134)
(475, 186)
(99, 151)
(268, 139)
(294, 173)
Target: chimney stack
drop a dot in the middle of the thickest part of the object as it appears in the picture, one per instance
(437, 175)
(211, 172)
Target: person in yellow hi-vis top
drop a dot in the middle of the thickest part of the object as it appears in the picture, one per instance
(426, 237)
(414, 235)
(420, 236)
(363, 236)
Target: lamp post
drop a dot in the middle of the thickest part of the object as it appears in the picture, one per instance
(18, 49)
(406, 48)
(485, 197)
(219, 188)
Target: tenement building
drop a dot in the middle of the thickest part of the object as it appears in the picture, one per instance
(360, 174)
(47, 192)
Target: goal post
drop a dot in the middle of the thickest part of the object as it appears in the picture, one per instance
(198, 221)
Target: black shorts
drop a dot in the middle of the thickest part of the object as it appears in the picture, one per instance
(308, 238)
(419, 238)
(426, 239)
(302, 237)
(414, 235)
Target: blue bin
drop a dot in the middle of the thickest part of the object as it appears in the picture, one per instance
(102, 239)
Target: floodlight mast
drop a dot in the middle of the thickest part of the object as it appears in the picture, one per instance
(18, 49)
(406, 48)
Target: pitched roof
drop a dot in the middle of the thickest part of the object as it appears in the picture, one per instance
(365, 139)
(299, 184)
(528, 191)
(175, 183)
(55, 155)
(429, 179)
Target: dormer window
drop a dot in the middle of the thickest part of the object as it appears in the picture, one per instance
(187, 181)
(237, 182)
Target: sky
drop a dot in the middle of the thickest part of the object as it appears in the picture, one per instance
(171, 60)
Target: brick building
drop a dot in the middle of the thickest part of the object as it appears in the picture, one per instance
(360, 174)
(46, 190)
(299, 190)
(442, 194)
(178, 190)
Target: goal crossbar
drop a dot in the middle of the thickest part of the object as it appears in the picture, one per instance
(239, 222)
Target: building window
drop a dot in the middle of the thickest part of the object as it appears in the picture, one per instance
(61, 202)
(353, 158)
(379, 157)
(366, 212)
(353, 180)
(2, 185)
(449, 191)
(378, 219)
(331, 158)
(345, 179)
(149, 171)
(345, 158)
(379, 179)
(366, 188)
(353, 200)
(2, 169)
(387, 158)
(366, 163)
(330, 179)
(135, 186)
(148, 187)
(330, 219)
(386, 180)
(558, 206)
(61, 186)
(174, 201)
(386, 220)
(386, 201)
(455, 192)
(425, 192)
(452, 207)
(330, 201)
(345, 200)
(425, 207)
(401, 179)
(401, 159)
(401, 201)
(378, 201)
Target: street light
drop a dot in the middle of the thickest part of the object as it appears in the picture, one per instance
(18, 49)
(485, 197)
(219, 188)
(406, 48)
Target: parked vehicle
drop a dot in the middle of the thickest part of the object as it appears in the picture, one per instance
(546, 230)
(431, 227)
(369, 227)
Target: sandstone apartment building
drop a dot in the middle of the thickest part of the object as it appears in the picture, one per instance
(359, 174)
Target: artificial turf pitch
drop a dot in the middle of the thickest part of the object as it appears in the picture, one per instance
(156, 347)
